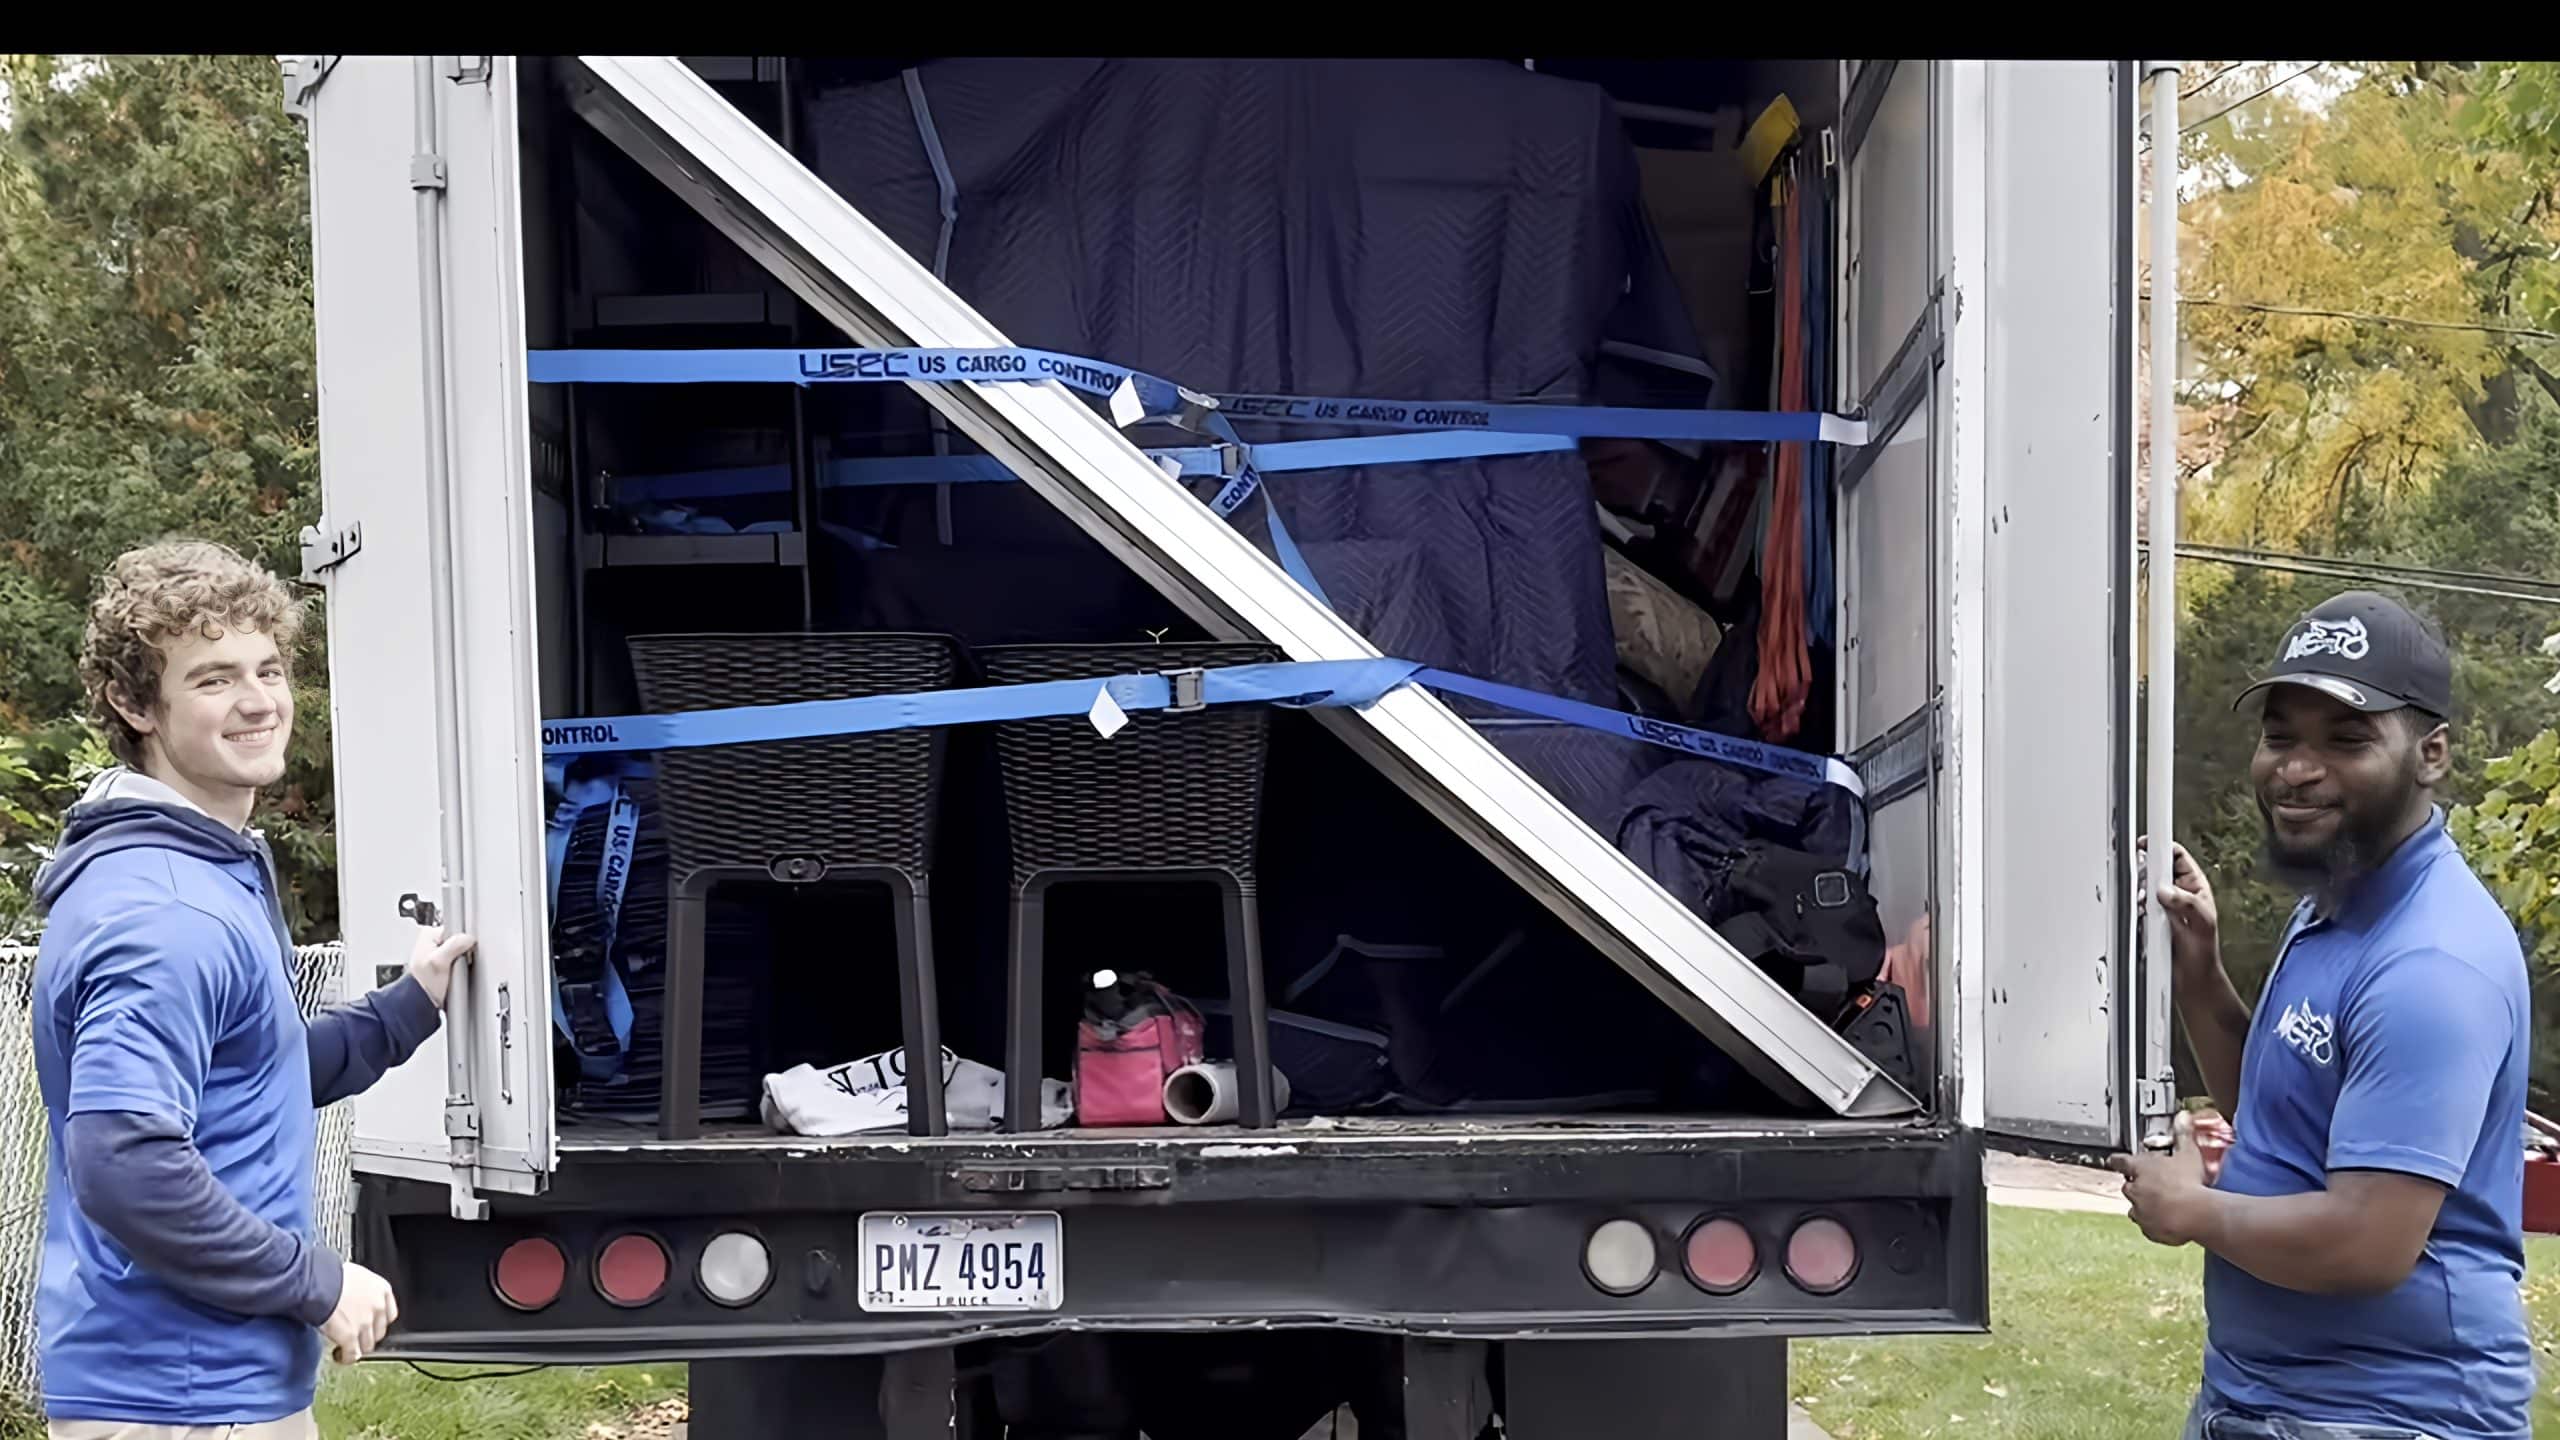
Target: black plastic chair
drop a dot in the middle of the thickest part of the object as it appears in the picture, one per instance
(850, 808)
(1174, 796)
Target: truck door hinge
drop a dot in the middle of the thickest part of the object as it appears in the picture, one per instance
(303, 75)
(2156, 1103)
(2156, 1097)
(462, 1131)
(426, 172)
(325, 548)
(469, 69)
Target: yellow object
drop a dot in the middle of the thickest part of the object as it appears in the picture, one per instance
(1769, 137)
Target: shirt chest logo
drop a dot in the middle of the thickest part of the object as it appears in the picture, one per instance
(2314, 1037)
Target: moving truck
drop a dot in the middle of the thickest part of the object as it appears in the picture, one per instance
(494, 589)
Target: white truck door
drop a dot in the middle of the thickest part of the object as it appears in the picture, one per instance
(1986, 574)
(454, 821)
(2073, 1034)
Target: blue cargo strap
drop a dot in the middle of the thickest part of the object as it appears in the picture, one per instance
(1306, 685)
(597, 989)
(1096, 377)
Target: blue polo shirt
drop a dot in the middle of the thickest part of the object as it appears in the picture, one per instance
(2393, 1035)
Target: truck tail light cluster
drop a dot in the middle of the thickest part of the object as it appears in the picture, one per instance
(1720, 1255)
(631, 1270)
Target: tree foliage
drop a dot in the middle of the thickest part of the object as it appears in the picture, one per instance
(156, 379)
(2386, 193)
(2510, 836)
(2363, 190)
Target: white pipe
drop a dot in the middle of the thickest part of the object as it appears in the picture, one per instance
(426, 183)
(2161, 622)
(1211, 1094)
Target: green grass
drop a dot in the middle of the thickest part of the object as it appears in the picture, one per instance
(2097, 1335)
(390, 1401)
(385, 1400)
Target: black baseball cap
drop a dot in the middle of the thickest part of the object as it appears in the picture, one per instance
(2366, 651)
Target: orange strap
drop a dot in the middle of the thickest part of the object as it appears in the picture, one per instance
(1779, 691)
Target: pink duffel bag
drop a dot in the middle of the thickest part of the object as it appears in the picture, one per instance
(1122, 1063)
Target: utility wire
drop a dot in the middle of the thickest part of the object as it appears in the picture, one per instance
(2259, 94)
(2212, 80)
(2385, 567)
(2253, 95)
(2313, 312)
(2407, 577)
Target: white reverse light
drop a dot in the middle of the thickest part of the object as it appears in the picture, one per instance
(1621, 1257)
(735, 1268)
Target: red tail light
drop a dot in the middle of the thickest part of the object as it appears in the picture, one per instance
(1822, 1256)
(632, 1270)
(1720, 1255)
(530, 1273)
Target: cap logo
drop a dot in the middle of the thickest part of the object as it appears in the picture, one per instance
(2345, 639)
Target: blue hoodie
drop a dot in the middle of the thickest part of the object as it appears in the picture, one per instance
(182, 1279)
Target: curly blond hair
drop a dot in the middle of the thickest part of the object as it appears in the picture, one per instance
(153, 595)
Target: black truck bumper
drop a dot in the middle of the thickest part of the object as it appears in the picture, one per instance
(1447, 1232)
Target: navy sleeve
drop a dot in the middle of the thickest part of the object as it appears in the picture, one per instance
(139, 1179)
(353, 1045)
(2424, 1040)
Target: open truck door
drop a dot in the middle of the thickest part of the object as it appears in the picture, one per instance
(425, 550)
(1990, 341)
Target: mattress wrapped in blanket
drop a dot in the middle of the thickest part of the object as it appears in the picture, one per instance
(1396, 229)
(1407, 229)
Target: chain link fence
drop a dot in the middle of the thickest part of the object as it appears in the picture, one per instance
(316, 973)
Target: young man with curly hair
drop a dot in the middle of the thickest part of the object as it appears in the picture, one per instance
(183, 1289)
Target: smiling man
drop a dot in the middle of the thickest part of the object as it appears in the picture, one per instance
(2365, 1236)
(182, 1283)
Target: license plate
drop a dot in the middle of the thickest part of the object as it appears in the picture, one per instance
(961, 1262)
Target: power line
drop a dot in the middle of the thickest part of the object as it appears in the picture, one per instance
(2387, 567)
(2313, 312)
(2253, 95)
(2212, 80)
(2409, 577)
(2258, 94)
